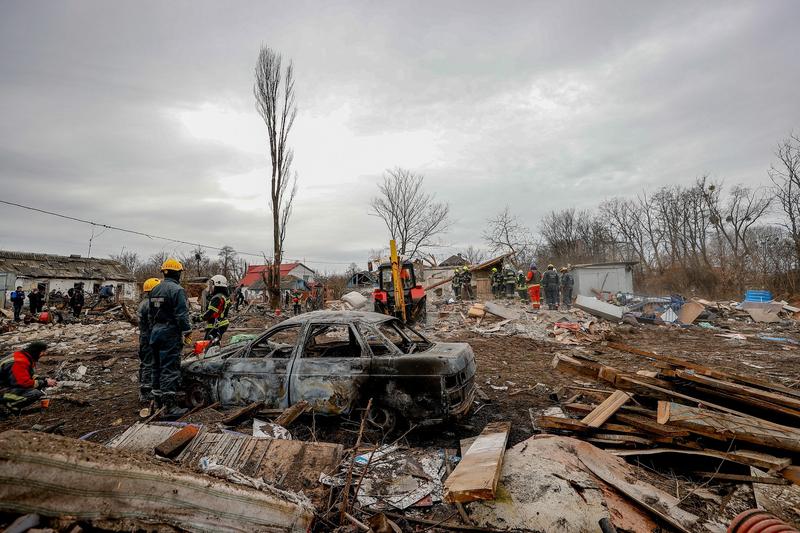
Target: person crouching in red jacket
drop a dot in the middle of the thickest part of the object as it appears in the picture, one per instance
(19, 385)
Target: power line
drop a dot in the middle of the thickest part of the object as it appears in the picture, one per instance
(152, 236)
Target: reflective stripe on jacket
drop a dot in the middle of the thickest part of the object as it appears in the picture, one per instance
(17, 372)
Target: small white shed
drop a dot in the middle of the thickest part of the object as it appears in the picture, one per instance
(604, 277)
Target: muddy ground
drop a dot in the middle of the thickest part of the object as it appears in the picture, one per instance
(519, 367)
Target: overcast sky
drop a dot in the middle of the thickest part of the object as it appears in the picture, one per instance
(140, 114)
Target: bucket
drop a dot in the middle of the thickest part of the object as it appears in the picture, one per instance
(45, 403)
(44, 317)
(200, 347)
(757, 296)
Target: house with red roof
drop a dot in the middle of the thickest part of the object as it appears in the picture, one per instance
(253, 280)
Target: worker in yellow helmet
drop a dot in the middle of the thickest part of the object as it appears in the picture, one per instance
(145, 352)
(168, 315)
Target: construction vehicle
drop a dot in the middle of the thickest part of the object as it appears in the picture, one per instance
(398, 293)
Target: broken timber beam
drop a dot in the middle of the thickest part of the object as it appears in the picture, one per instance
(706, 371)
(476, 476)
(605, 410)
(292, 412)
(735, 388)
(172, 446)
(237, 415)
(641, 422)
(715, 424)
(744, 457)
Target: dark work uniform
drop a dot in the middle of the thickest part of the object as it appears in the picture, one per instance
(567, 282)
(168, 314)
(76, 302)
(18, 300)
(145, 352)
(456, 284)
(216, 317)
(496, 280)
(466, 284)
(550, 284)
(509, 282)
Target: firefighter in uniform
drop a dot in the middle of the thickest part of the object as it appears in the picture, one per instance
(145, 351)
(456, 284)
(550, 283)
(497, 283)
(567, 283)
(216, 315)
(466, 283)
(509, 281)
(168, 314)
(19, 384)
(522, 286)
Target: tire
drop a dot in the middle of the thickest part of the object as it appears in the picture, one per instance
(383, 418)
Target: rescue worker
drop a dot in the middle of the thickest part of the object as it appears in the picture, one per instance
(509, 281)
(534, 278)
(35, 301)
(145, 350)
(522, 286)
(216, 315)
(466, 283)
(496, 281)
(296, 307)
(550, 284)
(76, 300)
(239, 298)
(567, 283)
(168, 315)
(18, 300)
(19, 384)
(456, 284)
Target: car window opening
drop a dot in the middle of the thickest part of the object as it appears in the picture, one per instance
(278, 345)
(405, 339)
(332, 340)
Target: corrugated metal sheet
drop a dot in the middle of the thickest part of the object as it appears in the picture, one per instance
(32, 265)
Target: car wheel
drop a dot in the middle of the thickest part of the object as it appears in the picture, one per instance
(197, 395)
(383, 418)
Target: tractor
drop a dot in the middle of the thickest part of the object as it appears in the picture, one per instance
(412, 294)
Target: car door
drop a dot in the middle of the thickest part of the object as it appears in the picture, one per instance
(259, 372)
(329, 368)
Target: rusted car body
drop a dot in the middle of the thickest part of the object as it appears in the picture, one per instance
(336, 361)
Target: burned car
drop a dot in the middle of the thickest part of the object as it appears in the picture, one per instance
(337, 361)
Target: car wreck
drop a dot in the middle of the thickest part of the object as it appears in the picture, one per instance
(337, 360)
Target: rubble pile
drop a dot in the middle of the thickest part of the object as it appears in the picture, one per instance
(70, 339)
(713, 425)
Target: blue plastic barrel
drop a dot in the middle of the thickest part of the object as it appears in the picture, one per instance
(757, 296)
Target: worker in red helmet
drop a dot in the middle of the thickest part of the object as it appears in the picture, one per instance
(19, 384)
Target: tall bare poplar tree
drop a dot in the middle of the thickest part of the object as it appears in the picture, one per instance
(275, 102)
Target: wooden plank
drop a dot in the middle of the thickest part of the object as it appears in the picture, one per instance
(605, 410)
(654, 500)
(570, 365)
(292, 412)
(638, 421)
(743, 479)
(792, 473)
(172, 446)
(706, 371)
(247, 410)
(744, 457)
(615, 439)
(690, 311)
(777, 410)
(476, 476)
(736, 388)
(742, 428)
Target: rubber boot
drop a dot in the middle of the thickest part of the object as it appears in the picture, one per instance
(171, 409)
(145, 395)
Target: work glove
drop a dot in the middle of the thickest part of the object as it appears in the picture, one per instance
(187, 339)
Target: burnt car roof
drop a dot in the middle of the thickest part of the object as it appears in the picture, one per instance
(344, 317)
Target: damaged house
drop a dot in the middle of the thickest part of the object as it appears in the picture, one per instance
(293, 276)
(61, 273)
(438, 277)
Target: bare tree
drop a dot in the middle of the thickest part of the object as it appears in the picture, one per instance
(227, 262)
(785, 176)
(128, 259)
(473, 255)
(505, 233)
(275, 102)
(413, 217)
